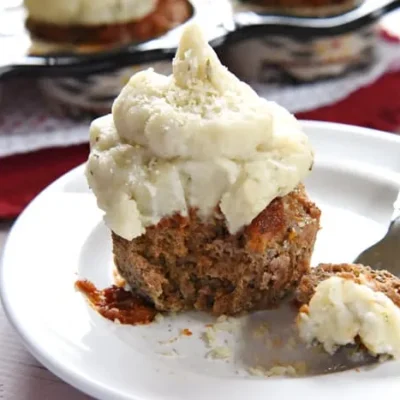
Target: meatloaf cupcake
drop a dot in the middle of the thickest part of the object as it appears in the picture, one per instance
(288, 59)
(103, 21)
(200, 181)
(309, 8)
(277, 59)
(86, 26)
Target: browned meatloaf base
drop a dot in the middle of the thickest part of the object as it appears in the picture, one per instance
(378, 280)
(167, 15)
(185, 263)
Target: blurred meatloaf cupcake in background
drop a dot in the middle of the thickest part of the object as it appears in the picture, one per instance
(93, 24)
(200, 182)
(103, 21)
(309, 8)
(286, 59)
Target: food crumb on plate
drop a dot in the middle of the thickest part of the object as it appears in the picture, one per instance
(186, 332)
(226, 324)
(209, 337)
(290, 370)
(222, 318)
(261, 330)
(219, 353)
(170, 353)
(169, 341)
(159, 318)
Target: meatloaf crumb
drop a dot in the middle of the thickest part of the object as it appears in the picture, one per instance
(188, 263)
(378, 280)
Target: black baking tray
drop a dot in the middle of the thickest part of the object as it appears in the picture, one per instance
(218, 20)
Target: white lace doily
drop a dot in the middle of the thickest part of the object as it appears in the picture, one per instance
(28, 123)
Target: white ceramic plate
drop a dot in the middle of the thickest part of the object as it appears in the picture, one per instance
(61, 235)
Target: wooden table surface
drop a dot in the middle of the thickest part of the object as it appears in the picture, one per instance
(21, 376)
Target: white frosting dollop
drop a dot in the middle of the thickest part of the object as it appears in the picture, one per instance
(88, 12)
(342, 310)
(198, 138)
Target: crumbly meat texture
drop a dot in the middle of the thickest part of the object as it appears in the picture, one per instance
(186, 263)
(167, 15)
(378, 280)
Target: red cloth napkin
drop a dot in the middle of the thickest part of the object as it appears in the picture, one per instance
(22, 177)
(375, 106)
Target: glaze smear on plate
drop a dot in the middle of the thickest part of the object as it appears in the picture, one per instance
(117, 304)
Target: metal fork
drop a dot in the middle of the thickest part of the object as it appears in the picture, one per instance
(385, 254)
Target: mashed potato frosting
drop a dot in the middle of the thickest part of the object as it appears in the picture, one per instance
(199, 138)
(88, 12)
